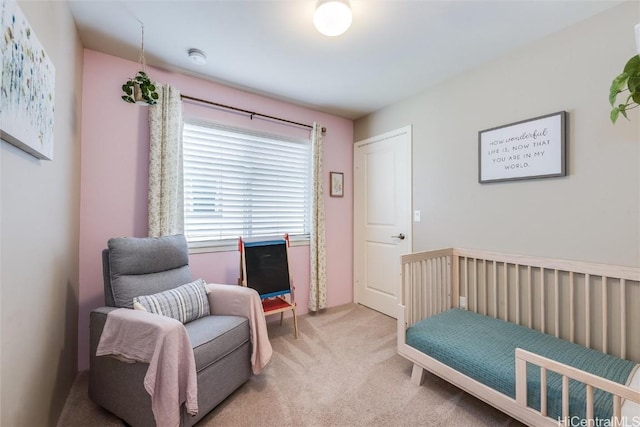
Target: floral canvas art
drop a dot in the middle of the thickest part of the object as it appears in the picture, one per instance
(27, 85)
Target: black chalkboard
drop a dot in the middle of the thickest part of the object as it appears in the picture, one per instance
(267, 267)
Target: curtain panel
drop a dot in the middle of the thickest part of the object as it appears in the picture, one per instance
(166, 212)
(318, 258)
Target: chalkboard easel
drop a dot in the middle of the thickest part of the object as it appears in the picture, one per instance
(264, 266)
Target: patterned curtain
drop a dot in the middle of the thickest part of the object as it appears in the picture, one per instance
(318, 285)
(166, 212)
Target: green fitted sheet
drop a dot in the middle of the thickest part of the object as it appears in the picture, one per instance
(483, 348)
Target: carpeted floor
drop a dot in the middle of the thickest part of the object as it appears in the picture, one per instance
(342, 371)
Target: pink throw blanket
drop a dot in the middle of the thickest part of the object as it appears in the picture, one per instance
(133, 335)
(233, 300)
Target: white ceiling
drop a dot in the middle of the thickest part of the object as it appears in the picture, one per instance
(394, 48)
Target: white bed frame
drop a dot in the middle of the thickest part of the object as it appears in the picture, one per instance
(594, 305)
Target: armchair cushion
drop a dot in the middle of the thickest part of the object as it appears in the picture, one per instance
(213, 337)
(184, 303)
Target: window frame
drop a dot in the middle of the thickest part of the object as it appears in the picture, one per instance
(231, 244)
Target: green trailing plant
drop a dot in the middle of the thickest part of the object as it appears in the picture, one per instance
(141, 83)
(627, 81)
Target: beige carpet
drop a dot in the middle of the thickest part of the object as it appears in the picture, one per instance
(342, 371)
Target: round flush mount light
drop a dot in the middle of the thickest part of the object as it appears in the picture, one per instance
(332, 17)
(197, 56)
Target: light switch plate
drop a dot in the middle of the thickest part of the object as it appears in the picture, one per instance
(416, 216)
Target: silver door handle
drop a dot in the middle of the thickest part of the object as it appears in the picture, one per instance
(399, 236)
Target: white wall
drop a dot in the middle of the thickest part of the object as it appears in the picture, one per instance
(39, 251)
(593, 214)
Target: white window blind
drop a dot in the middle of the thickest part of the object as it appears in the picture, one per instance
(243, 183)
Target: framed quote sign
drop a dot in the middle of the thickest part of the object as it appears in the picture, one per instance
(533, 148)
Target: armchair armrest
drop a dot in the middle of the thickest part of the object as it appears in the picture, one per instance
(97, 319)
(163, 343)
(113, 384)
(234, 300)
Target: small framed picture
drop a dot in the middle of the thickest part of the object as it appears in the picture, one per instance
(336, 183)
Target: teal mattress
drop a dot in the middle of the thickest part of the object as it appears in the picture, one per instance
(483, 348)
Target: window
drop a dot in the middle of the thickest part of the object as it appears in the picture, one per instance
(243, 183)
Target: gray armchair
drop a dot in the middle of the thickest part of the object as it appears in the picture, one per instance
(221, 344)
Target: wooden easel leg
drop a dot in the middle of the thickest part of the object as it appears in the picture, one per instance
(295, 324)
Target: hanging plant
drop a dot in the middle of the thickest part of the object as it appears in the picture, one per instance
(627, 81)
(140, 90)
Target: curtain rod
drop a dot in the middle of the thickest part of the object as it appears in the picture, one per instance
(251, 113)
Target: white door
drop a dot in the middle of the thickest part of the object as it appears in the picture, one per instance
(382, 217)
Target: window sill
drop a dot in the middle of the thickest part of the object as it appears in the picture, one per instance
(230, 246)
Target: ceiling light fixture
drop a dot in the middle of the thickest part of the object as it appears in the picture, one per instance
(332, 17)
(197, 56)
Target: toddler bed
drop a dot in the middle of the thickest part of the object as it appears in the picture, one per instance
(547, 341)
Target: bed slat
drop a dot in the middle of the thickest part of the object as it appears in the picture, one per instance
(587, 310)
(556, 299)
(623, 319)
(518, 294)
(565, 397)
(589, 401)
(529, 297)
(543, 303)
(617, 408)
(543, 391)
(604, 314)
(495, 290)
(506, 290)
(572, 310)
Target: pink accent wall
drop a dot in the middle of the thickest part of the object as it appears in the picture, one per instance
(114, 170)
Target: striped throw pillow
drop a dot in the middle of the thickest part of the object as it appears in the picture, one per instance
(184, 303)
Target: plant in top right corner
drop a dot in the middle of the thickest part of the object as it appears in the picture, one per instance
(627, 81)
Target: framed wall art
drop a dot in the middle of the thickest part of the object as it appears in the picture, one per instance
(533, 148)
(27, 86)
(336, 184)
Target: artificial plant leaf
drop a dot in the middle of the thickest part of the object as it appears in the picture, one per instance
(614, 115)
(623, 110)
(616, 87)
(633, 83)
(633, 65)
